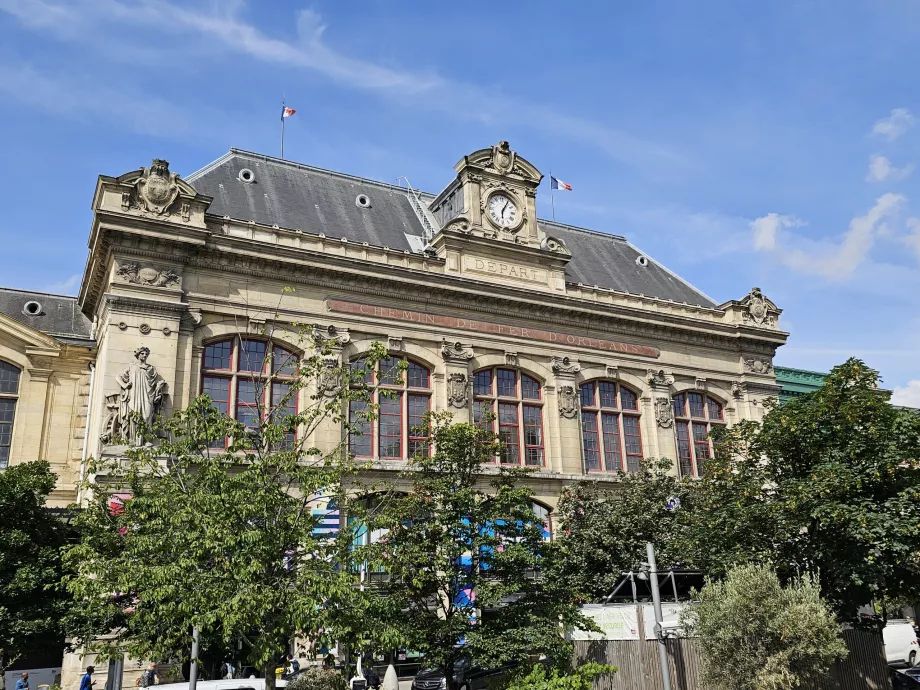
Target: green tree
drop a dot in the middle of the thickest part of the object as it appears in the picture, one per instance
(462, 557)
(222, 538)
(32, 603)
(757, 635)
(603, 531)
(828, 483)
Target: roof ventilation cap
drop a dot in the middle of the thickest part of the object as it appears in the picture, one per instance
(32, 308)
(246, 175)
(642, 260)
(363, 201)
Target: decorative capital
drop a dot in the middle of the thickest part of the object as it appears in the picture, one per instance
(330, 335)
(455, 352)
(568, 401)
(659, 377)
(564, 365)
(758, 366)
(738, 389)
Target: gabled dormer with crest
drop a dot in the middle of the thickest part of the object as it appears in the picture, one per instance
(488, 223)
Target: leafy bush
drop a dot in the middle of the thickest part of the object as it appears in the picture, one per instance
(318, 679)
(580, 678)
(757, 635)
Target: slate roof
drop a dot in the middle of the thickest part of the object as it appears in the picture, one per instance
(293, 195)
(60, 316)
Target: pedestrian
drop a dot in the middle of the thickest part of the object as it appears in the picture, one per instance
(149, 677)
(86, 682)
(23, 682)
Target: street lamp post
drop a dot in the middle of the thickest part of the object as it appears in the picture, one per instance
(193, 671)
(659, 617)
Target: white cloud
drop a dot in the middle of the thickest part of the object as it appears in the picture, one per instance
(833, 261)
(908, 396)
(766, 228)
(66, 287)
(893, 126)
(912, 239)
(881, 169)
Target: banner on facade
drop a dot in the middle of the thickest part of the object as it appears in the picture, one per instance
(616, 622)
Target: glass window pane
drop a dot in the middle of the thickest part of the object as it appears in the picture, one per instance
(533, 435)
(507, 383)
(480, 409)
(683, 449)
(360, 371)
(390, 426)
(218, 389)
(418, 376)
(283, 399)
(248, 391)
(587, 394)
(482, 382)
(608, 393)
(9, 378)
(252, 355)
(509, 433)
(680, 406)
(359, 441)
(7, 413)
(284, 362)
(389, 371)
(418, 437)
(590, 442)
(632, 439)
(715, 409)
(628, 399)
(610, 426)
(217, 355)
(696, 405)
(530, 388)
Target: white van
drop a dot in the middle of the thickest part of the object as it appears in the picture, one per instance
(234, 684)
(901, 644)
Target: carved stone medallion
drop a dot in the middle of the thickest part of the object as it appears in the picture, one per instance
(758, 366)
(329, 379)
(503, 157)
(568, 401)
(759, 310)
(664, 412)
(157, 188)
(457, 393)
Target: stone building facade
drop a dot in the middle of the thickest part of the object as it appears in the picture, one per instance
(590, 353)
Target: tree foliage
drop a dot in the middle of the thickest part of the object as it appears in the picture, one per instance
(579, 678)
(463, 557)
(32, 603)
(828, 483)
(225, 539)
(603, 531)
(757, 635)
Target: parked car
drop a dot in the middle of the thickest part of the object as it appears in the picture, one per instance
(235, 684)
(905, 679)
(901, 645)
(467, 676)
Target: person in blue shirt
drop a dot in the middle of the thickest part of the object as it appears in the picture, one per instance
(86, 683)
(23, 682)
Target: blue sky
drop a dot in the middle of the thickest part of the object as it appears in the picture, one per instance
(740, 144)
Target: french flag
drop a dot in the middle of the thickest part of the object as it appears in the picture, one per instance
(556, 183)
(287, 112)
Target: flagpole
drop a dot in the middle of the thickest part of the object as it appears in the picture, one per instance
(552, 197)
(282, 129)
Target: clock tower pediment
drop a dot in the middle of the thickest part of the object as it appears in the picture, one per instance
(488, 220)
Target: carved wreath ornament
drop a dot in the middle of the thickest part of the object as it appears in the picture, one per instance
(131, 272)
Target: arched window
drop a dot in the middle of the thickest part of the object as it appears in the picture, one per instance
(516, 401)
(396, 434)
(9, 394)
(236, 373)
(695, 416)
(610, 427)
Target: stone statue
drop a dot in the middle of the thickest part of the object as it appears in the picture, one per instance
(142, 394)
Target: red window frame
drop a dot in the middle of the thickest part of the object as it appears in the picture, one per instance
(412, 385)
(513, 431)
(263, 380)
(695, 416)
(615, 429)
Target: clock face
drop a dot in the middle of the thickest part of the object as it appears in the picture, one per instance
(502, 210)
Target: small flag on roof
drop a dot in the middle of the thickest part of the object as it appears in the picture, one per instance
(556, 183)
(286, 112)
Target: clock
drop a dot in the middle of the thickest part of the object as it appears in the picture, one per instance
(502, 211)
